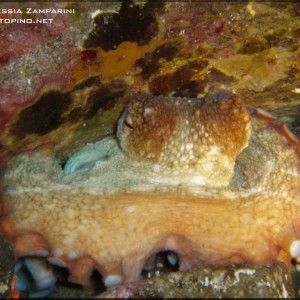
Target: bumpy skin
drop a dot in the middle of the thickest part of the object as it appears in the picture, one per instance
(204, 178)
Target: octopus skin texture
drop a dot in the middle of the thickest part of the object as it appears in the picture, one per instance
(210, 179)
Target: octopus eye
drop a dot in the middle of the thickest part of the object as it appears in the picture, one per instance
(125, 123)
(128, 122)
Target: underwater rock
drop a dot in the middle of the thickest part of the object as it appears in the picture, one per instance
(130, 23)
(7, 263)
(208, 281)
(189, 49)
(201, 54)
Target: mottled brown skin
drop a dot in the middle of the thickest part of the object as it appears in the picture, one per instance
(186, 136)
(233, 198)
(157, 122)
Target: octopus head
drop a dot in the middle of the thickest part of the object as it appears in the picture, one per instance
(199, 135)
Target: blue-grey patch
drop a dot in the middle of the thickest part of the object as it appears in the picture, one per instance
(122, 118)
(87, 157)
(26, 283)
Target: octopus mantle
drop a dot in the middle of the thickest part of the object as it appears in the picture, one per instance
(211, 180)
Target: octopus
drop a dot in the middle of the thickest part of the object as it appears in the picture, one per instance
(210, 179)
